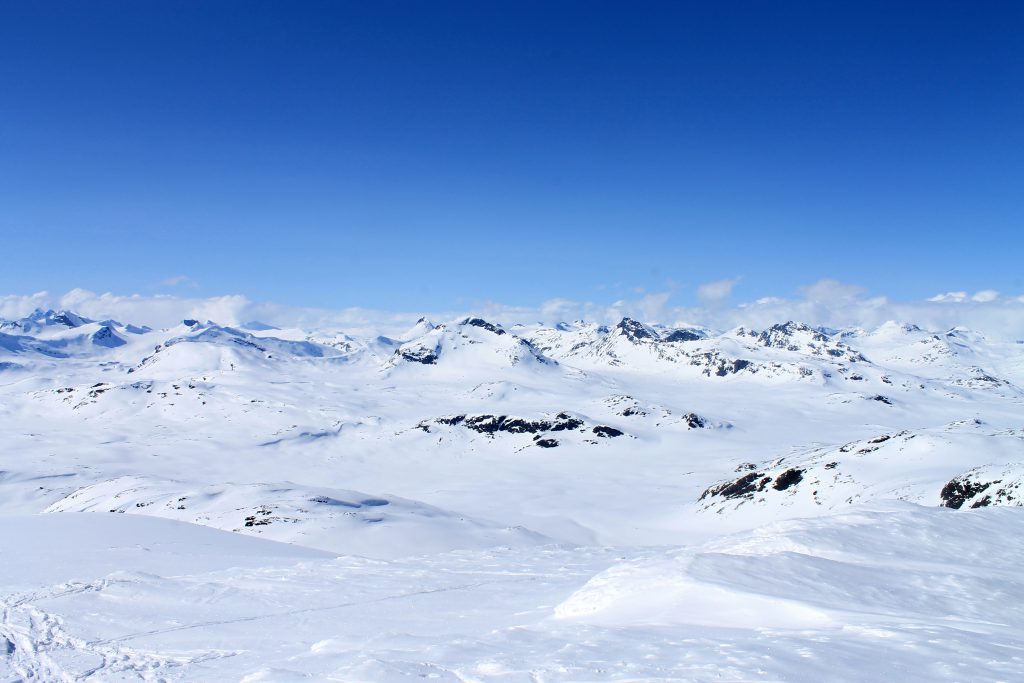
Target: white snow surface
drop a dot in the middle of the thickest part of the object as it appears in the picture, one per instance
(486, 502)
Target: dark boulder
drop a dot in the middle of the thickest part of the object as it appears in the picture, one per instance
(790, 477)
(694, 421)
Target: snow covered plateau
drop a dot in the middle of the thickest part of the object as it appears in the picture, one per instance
(475, 502)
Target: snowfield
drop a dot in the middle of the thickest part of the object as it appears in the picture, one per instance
(476, 502)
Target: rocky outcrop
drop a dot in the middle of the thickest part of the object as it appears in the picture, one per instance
(543, 429)
(984, 486)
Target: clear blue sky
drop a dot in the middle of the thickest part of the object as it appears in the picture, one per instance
(419, 155)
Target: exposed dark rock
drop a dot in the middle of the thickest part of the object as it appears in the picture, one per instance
(547, 443)
(493, 424)
(248, 344)
(480, 322)
(694, 421)
(106, 337)
(485, 424)
(682, 336)
(64, 318)
(607, 432)
(189, 322)
(566, 423)
(636, 331)
(518, 425)
(420, 355)
(744, 486)
(260, 518)
(881, 399)
(780, 336)
(732, 368)
(98, 389)
(715, 364)
(790, 477)
(535, 352)
(959, 490)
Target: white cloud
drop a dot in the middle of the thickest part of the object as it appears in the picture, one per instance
(984, 296)
(179, 280)
(950, 296)
(826, 291)
(715, 293)
(16, 306)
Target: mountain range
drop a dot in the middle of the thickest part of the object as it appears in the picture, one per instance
(465, 436)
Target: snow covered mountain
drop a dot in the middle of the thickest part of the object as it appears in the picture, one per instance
(581, 451)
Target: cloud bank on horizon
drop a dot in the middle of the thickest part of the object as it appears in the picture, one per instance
(826, 303)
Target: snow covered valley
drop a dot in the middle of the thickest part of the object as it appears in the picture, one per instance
(473, 502)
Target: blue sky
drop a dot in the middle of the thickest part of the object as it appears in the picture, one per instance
(429, 155)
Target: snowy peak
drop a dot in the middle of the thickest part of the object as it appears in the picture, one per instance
(469, 342)
(784, 335)
(57, 318)
(422, 327)
(211, 348)
(64, 335)
(483, 324)
(215, 334)
(107, 337)
(257, 326)
(636, 332)
(40, 320)
(801, 338)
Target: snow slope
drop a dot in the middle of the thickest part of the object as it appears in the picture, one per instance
(888, 592)
(508, 501)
